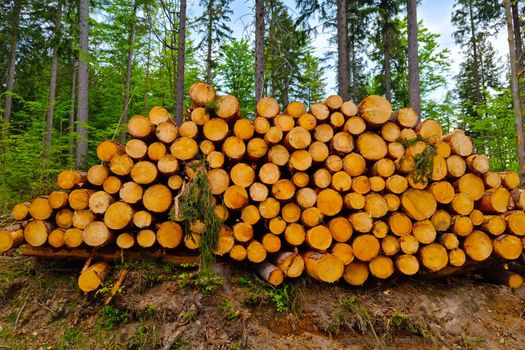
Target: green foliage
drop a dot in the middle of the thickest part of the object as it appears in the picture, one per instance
(424, 161)
(353, 315)
(145, 336)
(197, 203)
(227, 310)
(207, 282)
(401, 322)
(113, 316)
(68, 339)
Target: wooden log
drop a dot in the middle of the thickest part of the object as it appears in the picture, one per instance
(494, 224)
(439, 169)
(334, 102)
(381, 267)
(511, 180)
(375, 205)
(258, 192)
(306, 197)
(477, 217)
(167, 165)
(140, 127)
(329, 202)
(383, 167)
(215, 129)
(295, 234)
(143, 172)
(118, 215)
(457, 257)
(354, 164)
(375, 110)
(295, 109)
(167, 131)
(215, 159)
(201, 94)
(342, 143)
(323, 266)
(443, 149)
(298, 138)
(146, 238)
(82, 218)
(356, 273)
(400, 224)
(40, 209)
(380, 229)
(235, 197)
(271, 243)
(443, 192)
(392, 201)
(175, 182)
(121, 164)
(243, 232)
(323, 133)
(219, 181)
(238, 252)
(92, 278)
(478, 246)
(261, 125)
(21, 210)
(188, 129)
(396, 184)
(256, 252)
(291, 263)
(407, 264)
(274, 135)
(341, 181)
(227, 107)
(291, 212)
(319, 111)
(250, 214)
(64, 218)
(234, 148)
(56, 238)
(267, 107)
(492, 179)
(337, 120)
(36, 232)
(449, 240)
(424, 231)
(97, 233)
(472, 185)
(390, 245)
(107, 149)
(157, 198)
(365, 247)
(97, 174)
(131, 192)
(406, 117)
(459, 142)
(333, 163)
(112, 184)
(441, 220)
(396, 150)
(355, 125)
(508, 247)
(377, 184)
(462, 204)
(169, 234)
(311, 217)
(136, 149)
(307, 121)
(434, 256)
(478, 163)
(78, 199)
(184, 148)
(158, 115)
(518, 197)
(243, 129)
(341, 229)
(142, 219)
(348, 108)
(344, 252)
(300, 160)
(462, 225)
(277, 225)
(495, 200)
(516, 223)
(284, 190)
(430, 130)
(390, 132)
(68, 179)
(256, 148)
(319, 237)
(418, 204)
(361, 222)
(269, 208)
(456, 166)
(271, 273)
(11, 237)
(199, 116)
(371, 146)
(322, 178)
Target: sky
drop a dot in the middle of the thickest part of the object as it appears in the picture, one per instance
(435, 14)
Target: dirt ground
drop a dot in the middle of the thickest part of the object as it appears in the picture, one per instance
(161, 307)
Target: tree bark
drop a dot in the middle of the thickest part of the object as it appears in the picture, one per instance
(148, 63)
(387, 59)
(413, 60)
(83, 87)
(131, 41)
(180, 63)
(53, 81)
(342, 50)
(209, 43)
(476, 58)
(15, 16)
(71, 117)
(518, 43)
(259, 49)
(515, 91)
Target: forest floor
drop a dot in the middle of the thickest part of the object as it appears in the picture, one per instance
(161, 307)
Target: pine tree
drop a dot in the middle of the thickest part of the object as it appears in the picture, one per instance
(310, 88)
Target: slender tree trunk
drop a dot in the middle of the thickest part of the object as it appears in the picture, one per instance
(413, 59)
(131, 43)
(387, 60)
(15, 18)
(259, 49)
(180, 63)
(518, 43)
(71, 119)
(515, 92)
(83, 86)
(474, 40)
(342, 51)
(53, 81)
(209, 43)
(148, 63)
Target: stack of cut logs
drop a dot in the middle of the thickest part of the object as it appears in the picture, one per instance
(336, 190)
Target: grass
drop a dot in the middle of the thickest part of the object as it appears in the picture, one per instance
(113, 316)
(402, 323)
(472, 343)
(227, 311)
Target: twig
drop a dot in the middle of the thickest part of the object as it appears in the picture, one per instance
(116, 286)
(19, 313)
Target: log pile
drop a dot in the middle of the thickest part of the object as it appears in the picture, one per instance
(336, 191)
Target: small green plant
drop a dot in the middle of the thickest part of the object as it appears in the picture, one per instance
(145, 337)
(424, 161)
(189, 316)
(353, 315)
(206, 281)
(227, 310)
(472, 343)
(113, 316)
(68, 339)
(401, 322)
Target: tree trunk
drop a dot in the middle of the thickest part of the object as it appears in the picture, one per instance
(387, 58)
(259, 49)
(126, 101)
(413, 60)
(342, 57)
(71, 117)
(83, 87)
(12, 59)
(209, 42)
(148, 63)
(53, 81)
(515, 92)
(180, 63)
(477, 63)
